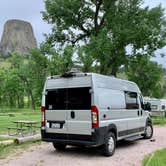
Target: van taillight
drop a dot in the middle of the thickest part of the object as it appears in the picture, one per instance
(95, 117)
(43, 121)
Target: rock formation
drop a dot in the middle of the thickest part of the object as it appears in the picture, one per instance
(17, 36)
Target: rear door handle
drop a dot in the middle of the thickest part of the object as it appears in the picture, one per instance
(72, 114)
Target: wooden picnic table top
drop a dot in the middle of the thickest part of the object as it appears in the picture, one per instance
(25, 121)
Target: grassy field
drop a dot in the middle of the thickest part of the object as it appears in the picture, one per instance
(3, 138)
(157, 158)
(8, 115)
(159, 120)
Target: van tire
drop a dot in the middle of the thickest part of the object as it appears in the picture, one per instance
(108, 148)
(59, 147)
(148, 131)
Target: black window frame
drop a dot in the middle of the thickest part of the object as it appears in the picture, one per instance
(131, 106)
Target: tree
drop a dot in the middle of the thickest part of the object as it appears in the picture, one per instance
(13, 91)
(85, 59)
(147, 75)
(37, 73)
(2, 83)
(60, 61)
(106, 28)
(25, 78)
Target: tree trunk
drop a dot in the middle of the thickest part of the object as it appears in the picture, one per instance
(114, 71)
(32, 100)
(20, 101)
(29, 92)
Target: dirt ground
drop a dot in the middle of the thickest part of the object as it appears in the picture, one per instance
(127, 154)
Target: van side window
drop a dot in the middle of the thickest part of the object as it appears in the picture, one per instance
(131, 100)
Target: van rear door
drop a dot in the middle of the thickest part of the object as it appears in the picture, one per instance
(56, 113)
(79, 111)
(68, 110)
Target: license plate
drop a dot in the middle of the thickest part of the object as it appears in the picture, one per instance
(55, 125)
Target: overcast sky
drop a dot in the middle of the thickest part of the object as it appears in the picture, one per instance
(29, 10)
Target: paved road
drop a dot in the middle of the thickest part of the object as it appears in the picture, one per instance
(127, 154)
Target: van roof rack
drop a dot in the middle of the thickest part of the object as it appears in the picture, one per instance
(73, 74)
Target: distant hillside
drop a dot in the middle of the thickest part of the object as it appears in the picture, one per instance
(17, 36)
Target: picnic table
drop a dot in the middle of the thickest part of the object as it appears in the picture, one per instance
(23, 127)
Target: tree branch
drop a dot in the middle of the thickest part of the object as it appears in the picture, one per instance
(81, 25)
(98, 5)
(80, 37)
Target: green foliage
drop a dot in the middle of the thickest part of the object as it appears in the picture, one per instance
(85, 59)
(61, 62)
(25, 77)
(106, 29)
(12, 90)
(146, 74)
(37, 73)
(163, 84)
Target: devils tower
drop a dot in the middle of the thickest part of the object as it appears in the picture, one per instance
(17, 36)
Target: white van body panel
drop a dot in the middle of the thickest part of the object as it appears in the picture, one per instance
(68, 82)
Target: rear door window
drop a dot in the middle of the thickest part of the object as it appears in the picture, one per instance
(56, 99)
(68, 99)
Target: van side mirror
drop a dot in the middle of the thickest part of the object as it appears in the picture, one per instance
(147, 106)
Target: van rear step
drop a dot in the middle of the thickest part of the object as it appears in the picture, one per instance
(133, 138)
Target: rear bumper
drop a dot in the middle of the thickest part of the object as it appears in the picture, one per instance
(96, 138)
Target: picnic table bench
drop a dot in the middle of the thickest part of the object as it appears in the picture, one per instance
(23, 127)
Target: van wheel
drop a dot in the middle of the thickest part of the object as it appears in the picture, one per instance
(148, 131)
(59, 146)
(108, 148)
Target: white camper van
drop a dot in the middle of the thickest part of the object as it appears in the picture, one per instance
(88, 109)
(155, 103)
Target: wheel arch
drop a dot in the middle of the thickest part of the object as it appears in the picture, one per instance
(148, 121)
(112, 128)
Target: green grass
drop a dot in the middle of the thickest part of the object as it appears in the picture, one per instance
(4, 64)
(157, 158)
(159, 120)
(3, 138)
(6, 117)
(6, 150)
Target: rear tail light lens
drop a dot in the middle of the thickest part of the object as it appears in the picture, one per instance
(43, 121)
(95, 117)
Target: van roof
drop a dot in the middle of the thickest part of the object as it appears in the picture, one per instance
(112, 82)
(102, 81)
